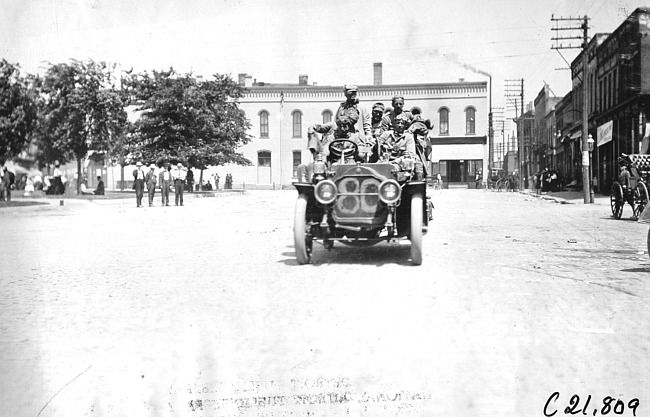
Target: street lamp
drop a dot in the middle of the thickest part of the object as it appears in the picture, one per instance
(590, 143)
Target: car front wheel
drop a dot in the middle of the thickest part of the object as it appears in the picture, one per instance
(303, 243)
(416, 229)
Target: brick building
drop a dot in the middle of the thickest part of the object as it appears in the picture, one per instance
(281, 113)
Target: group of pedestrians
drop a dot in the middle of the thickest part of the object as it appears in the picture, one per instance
(178, 177)
(548, 181)
(164, 180)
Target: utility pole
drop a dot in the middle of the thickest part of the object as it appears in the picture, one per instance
(584, 27)
(515, 88)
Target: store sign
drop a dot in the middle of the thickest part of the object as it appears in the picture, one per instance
(604, 133)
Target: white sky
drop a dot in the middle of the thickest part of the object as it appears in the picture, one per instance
(334, 42)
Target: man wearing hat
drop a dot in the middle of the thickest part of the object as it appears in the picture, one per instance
(178, 176)
(625, 179)
(362, 126)
(377, 113)
(343, 128)
(138, 182)
(165, 180)
(388, 120)
(150, 180)
(398, 145)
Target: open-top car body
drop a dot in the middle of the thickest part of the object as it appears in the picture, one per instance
(360, 203)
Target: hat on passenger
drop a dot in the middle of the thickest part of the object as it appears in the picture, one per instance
(152, 166)
(350, 87)
(402, 116)
(378, 106)
(138, 164)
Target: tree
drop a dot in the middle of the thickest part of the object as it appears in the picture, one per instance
(184, 120)
(18, 111)
(81, 114)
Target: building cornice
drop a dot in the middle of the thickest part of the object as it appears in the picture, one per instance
(335, 93)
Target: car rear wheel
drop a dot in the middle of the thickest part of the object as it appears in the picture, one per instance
(416, 229)
(303, 243)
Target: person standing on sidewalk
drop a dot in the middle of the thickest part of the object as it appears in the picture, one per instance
(165, 180)
(190, 180)
(6, 184)
(151, 183)
(178, 175)
(138, 183)
(216, 180)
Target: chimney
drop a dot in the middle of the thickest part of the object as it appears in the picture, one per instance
(303, 79)
(376, 70)
(242, 77)
(248, 81)
(461, 80)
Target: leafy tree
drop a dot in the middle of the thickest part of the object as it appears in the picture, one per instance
(81, 113)
(185, 120)
(18, 111)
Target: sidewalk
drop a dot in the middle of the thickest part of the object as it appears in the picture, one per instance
(568, 197)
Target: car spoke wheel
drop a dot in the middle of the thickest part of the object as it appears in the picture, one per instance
(302, 241)
(416, 229)
(616, 200)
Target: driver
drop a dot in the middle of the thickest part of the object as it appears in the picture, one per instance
(342, 129)
(625, 178)
(331, 131)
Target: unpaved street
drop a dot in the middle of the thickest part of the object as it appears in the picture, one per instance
(202, 311)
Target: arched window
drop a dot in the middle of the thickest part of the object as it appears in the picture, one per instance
(264, 124)
(327, 116)
(297, 160)
(470, 120)
(264, 159)
(297, 123)
(444, 121)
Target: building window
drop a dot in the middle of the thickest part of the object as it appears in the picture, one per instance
(297, 123)
(264, 159)
(297, 160)
(470, 120)
(327, 116)
(264, 124)
(444, 121)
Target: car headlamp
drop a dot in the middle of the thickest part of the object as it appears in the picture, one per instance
(389, 191)
(325, 192)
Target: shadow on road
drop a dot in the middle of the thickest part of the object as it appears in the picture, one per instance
(377, 255)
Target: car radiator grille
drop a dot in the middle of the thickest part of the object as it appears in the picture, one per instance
(358, 201)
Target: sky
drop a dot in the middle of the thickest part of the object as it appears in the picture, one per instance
(334, 42)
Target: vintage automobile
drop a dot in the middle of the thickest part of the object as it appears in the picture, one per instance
(359, 203)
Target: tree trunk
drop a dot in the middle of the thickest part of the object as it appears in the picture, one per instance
(201, 180)
(78, 175)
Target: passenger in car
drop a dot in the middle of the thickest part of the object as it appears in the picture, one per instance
(398, 145)
(399, 141)
(388, 120)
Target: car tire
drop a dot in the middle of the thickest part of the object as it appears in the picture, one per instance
(416, 229)
(303, 245)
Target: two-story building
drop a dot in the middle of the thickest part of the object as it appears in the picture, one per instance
(281, 113)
